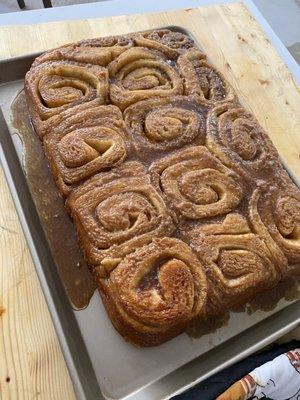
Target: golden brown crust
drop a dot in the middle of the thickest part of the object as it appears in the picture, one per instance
(196, 184)
(100, 51)
(163, 124)
(202, 80)
(235, 136)
(182, 208)
(157, 290)
(275, 216)
(139, 74)
(238, 263)
(55, 86)
(117, 212)
(84, 144)
(172, 44)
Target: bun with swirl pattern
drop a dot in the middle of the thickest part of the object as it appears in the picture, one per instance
(275, 216)
(55, 86)
(170, 43)
(234, 135)
(165, 124)
(100, 51)
(202, 80)
(116, 212)
(155, 292)
(196, 184)
(237, 262)
(138, 74)
(84, 144)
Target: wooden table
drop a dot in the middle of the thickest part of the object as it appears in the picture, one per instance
(31, 362)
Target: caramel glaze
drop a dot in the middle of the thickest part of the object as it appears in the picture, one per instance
(58, 227)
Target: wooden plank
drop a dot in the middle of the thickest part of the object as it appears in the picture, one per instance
(31, 362)
(235, 43)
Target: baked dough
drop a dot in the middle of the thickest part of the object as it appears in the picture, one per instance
(181, 205)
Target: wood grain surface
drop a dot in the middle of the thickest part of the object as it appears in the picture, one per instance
(31, 363)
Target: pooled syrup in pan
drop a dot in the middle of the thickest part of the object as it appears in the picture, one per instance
(60, 232)
(56, 223)
(208, 326)
(287, 289)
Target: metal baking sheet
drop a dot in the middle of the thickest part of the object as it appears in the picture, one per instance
(101, 363)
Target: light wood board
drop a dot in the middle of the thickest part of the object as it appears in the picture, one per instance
(31, 363)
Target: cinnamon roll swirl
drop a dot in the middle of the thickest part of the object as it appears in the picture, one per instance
(138, 74)
(275, 216)
(172, 44)
(202, 80)
(84, 144)
(165, 124)
(115, 213)
(154, 292)
(100, 51)
(237, 262)
(234, 135)
(54, 86)
(196, 184)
